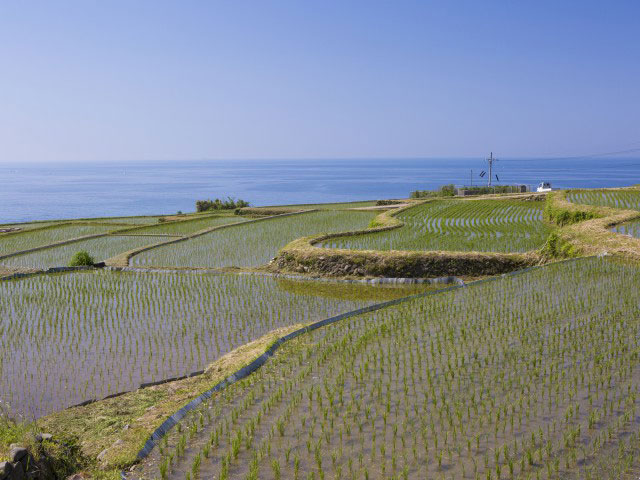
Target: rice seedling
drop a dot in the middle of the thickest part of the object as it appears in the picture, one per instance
(67, 338)
(625, 199)
(538, 370)
(463, 225)
(100, 249)
(252, 244)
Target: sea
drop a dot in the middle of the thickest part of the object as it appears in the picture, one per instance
(51, 191)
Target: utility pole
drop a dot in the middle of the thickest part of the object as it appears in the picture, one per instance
(490, 160)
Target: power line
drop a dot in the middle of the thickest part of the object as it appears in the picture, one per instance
(589, 155)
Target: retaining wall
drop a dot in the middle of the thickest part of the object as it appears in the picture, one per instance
(301, 256)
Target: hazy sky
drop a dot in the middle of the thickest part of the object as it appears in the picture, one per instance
(141, 80)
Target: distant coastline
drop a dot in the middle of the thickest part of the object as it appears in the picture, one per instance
(66, 190)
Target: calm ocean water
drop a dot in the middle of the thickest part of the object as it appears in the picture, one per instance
(56, 191)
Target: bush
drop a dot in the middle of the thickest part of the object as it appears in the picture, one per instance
(444, 191)
(485, 190)
(229, 204)
(81, 258)
(557, 247)
(562, 216)
(448, 190)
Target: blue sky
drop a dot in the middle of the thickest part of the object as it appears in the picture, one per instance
(156, 80)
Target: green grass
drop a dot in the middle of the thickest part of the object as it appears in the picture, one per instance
(531, 376)
(459, 225)
(191, 225)
(25, 240)
(100, 249)
(71, 337)
(625, 199)
(252, 244)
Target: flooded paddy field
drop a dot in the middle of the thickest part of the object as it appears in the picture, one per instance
(464, 225)
(191, 225)
(252, 244)
(625, 199)
(25, 240)
(529, 376)
(100, 249)
(67, 338)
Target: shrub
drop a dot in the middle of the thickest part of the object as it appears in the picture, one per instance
(563, 216)
(81, 258)
(444, 191)
(229, 204)
(557, 247)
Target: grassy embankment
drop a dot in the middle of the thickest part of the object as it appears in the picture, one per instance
(586, 229)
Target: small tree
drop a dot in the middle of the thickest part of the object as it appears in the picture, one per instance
(81, 258)
(448, 190)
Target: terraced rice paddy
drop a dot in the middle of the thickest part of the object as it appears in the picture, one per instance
(190, 226)
(252, 244)
(530, 376)
(71, 337)
(629, 228)
(100, 249)
(332, 206)
(26, 226)
(626, 199)
(17, 242)
(144, 220)
(463, 225)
